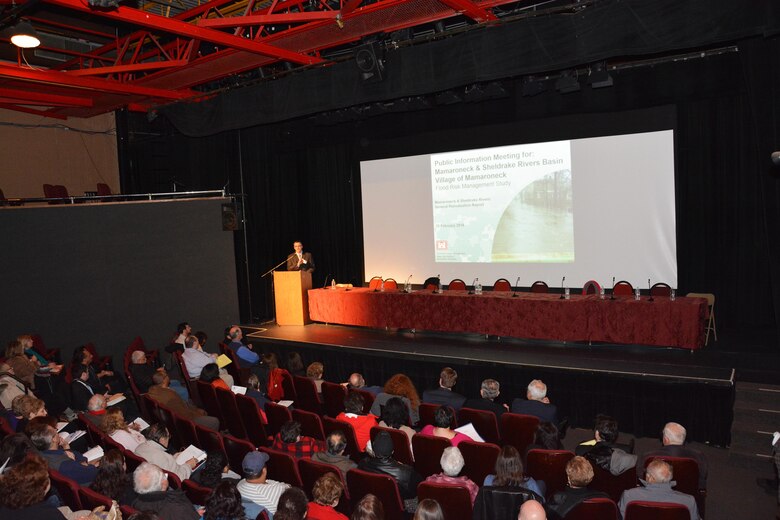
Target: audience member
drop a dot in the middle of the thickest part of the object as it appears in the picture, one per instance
(59, 456)
(23, 488)
(451, 465)
(315, 372)
(112, 479)
(142, 372)
(368, 508)
(361, 423)
(531, 510)
(579, 473)
(444, 395)
(155, 450)
(357, 381)
(657, 487)
(114, 426)
(401, 386)
(488, 392)
(290, 440)
(336, 443)
(210, 374)
(10, 386)
(602, 451)
(326, 494)
(24, 367)
(383, 462)
(509, 472)
(295, 364)
(195, 360)
(162, 393)
(82, 390)
(442, 419)
(247, 357)
(673, 439)
(183, 331)
(214, 470)
(151, 484)
(293, 505)
(105, 380)
(255, 486)
(96, 410)
(395, 414)
(27, 407)
(536, 403)
(14, 448)
(256, 392)
(224, 503)
(428, 509)
(545, 438)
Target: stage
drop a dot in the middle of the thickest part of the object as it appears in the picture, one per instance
(643, 387)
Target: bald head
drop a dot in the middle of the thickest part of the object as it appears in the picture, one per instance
(674, 434)
(532, 510)
(356, 381)
(658, 471)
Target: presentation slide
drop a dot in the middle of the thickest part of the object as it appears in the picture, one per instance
(584, 209)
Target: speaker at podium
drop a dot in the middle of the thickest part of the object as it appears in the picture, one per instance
(291, 297)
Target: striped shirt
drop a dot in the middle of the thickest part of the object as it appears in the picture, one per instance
(266, 495)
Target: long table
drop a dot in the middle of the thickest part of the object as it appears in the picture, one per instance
(624, 320)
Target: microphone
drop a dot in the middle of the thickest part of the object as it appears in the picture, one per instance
(776, 158)
(562, 280)
(649, 289)
(612, 296)
(326, 281)
(517, 285)
(407, 284)
(473, 284)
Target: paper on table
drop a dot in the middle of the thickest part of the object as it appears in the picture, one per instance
(285, 403)
(94, 454)
(239, 389)
(223, 361)
(469, 431)
(191, 453)
(116, 400)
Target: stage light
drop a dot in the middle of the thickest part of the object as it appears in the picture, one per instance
(599, 77)
(567, 83)
(24, 36)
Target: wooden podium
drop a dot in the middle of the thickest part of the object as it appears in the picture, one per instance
(291, 297)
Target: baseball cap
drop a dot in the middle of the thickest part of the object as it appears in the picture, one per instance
(254, 462)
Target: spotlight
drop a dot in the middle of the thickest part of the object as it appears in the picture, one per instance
(599, 77)
(24, 36)
(370, 63)
(567, 83)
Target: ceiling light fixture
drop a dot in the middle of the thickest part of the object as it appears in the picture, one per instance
(24, 36)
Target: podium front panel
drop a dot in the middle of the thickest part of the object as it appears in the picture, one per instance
(291, 297)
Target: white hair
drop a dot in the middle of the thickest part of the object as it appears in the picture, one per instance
(537, 390)
(490, 388)
(675, 433)
(137, 355)
(148, 478)
(452, 461)
(660, 471)
(96, 402)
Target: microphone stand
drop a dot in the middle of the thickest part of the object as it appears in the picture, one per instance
(517, 288)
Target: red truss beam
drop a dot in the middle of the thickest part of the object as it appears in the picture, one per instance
(137, 67)
(260, 19)
(470, 9)
(173, 26)
(26, 97)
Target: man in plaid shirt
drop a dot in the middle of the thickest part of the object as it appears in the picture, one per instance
(290, 440)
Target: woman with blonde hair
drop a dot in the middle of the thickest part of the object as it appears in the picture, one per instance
(24, 368)
(114, 426)
(401, 386)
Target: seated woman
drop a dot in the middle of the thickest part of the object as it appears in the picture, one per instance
(255, 391)
(24, 367)
(26, 408)
(224, 503)
(451, 465)
(315, 371)
(509, 472)
(401, 386)
(23, 489)
(442, 419)
(210, 374)
(579, 473)
(114, 426)
(545, 438)
(395, 415)
(361, 423)
(112, 479)
(326, 494)
(214, 470)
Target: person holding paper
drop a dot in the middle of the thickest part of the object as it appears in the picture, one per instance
(442, 419)
(154, 450)
(300, 261)
(114, 426)
(195, 359)
(59, 455)
(162, 393)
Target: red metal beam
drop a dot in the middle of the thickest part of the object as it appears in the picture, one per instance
(27, 97)
(160, 23)
(471, 10)
(236, 21)
(66, 79)
(136, 67)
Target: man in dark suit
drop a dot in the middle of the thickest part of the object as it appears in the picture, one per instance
(674, 446)
(489, 391)
(300, 261)
(444, 396)
(536, 403)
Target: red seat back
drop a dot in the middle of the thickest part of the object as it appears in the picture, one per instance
(195, 492)
(277, 415)
(188, 433)
(67, 489)
(594, 509)
(480, 458)
(208, 397)
(610, 484)
(640, 510)
(660, 289)
(362, 483)
(375, 283)
(391, 285)
(333, 395)
(311, 424)
(623, 288)
(91, 499)
(539, 287)
(455, 501)
(353, 448)
(502, 285)
(427, 453)
(282, 467)
(236, 450)
(591, 287)
(456, 285)
(549, 466)
(103, 190)
(233, 422)
(518, 430)
(306, 392)
(253, 421)
(484, 422)
(209, 440)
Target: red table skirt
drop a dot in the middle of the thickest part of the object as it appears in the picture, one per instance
(661, 322)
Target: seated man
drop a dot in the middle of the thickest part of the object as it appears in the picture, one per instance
(151, 484)
(361, 423)
(531, 510)
(451, 464)
(536, 403)
(489, 391)
(256, 487)
(195, 359)
(82, 389)
(59, 455)
(290, 440)
(383, 462)
(96, 409)
(356, 381)
(443, 395)
(336, 444)
(155, 450)
(579, 473)
(162, 393)
(142, 373)
(657, 487)
(602, 451)
(247, 357)
(674, 446)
